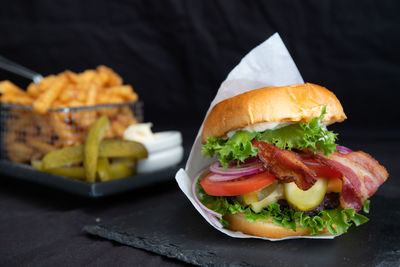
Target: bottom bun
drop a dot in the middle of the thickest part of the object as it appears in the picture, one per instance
(263, 228)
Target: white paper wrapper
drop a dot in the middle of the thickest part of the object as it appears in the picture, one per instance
(269, 64)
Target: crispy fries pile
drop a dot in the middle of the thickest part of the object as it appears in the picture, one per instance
(31, 135)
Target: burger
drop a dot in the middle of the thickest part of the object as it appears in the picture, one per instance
(278, 170)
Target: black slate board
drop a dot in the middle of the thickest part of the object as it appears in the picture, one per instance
(175, 229)
(82, 188)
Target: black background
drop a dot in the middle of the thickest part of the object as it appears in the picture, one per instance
(176, 53)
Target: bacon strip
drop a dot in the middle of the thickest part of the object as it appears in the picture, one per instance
(285, 165)
(362, 175)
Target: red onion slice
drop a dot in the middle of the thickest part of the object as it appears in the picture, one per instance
(249, 160)
(243, 169)
(208, 211)
(220, 178)
(214, 221)
(343, 149)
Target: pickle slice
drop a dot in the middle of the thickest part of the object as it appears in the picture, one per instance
(91, 149)
(250, 198)
(259, 195)
(70, 172)
(36, 164)
(305, 200)
(62, 157)
(122, 169)
(274, 196)
(266, 191)
(112, 148)
(103, 169)
(115, 148)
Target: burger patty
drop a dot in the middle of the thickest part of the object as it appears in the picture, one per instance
(330, 201)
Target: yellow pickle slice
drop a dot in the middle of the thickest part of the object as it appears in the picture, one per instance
(114, 148)
(91, 148)
(103, 169)
(62, 157)
(305, 200)
(122, 169)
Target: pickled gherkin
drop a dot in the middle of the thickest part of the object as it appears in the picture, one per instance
(122, 169)
(272, 193)
(62, 157)
(36, 164)
(91, 148)
(305, 199)
(70, 172)
(103, 169)
(95, 155)
(115, 148)
(112, 148)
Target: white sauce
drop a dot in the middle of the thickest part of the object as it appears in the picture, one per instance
(140, 132)
(261, 127)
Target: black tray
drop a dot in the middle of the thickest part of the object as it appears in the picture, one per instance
(176, 230)
(93, 190)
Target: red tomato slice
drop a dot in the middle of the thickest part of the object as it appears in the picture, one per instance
(239, 186)
(321, 169)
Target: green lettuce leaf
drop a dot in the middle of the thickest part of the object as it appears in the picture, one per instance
(303, 135)
(312, 135)
(338, 220)
(238, 147)
(366, 206)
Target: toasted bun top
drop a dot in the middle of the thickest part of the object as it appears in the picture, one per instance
(293, 103)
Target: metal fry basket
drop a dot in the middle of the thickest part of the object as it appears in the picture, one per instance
(26, 135)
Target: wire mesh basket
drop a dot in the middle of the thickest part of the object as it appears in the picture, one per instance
(27, 135)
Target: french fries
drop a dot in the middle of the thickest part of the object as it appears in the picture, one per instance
(46, 99)
(44, 129)
(19, 152)
(12, 93)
